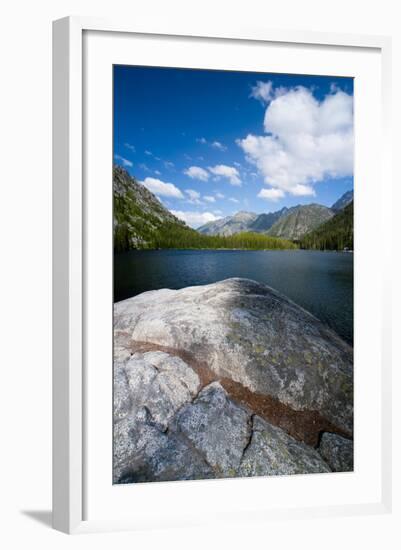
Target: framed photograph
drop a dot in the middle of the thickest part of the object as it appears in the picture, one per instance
(221, 310)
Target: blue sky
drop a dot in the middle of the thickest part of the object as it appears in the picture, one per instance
(211, 143)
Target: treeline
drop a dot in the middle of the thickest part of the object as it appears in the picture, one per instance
(142, 222)
(182, 238)
(335, 234)
(174, 236)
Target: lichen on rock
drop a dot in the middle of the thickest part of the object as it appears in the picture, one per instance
(337, 451)
(196, 369)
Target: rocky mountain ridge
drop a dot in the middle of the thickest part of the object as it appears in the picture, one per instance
(343, 201)
(300, 220)
(239, 222)
(139, 216)
(289, 223)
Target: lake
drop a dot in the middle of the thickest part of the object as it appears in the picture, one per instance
(321, 282)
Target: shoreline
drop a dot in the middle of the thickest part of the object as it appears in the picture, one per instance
(235, 250)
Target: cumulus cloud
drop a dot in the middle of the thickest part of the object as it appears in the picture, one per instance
(271, 194)
(197, 173)
(228, 172)
(123, 161)
(194, 196)
(232, 199)
(209, 198)
(219, 195)
(262, 91)
(195, 219)
(305, 140)
(162, 188)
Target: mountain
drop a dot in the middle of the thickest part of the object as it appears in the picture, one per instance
(141, 221)
(243, 221)
(343, 201)
(229, 225)
(265, 221)
(300, 220)
(139, 217)
(335, 234)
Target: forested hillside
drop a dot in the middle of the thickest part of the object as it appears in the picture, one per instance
(335, 234)
(300, 220)
(142, 222)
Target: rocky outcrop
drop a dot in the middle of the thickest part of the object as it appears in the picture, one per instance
(164, 433)
(223, 380)
(273, 452)
(337, 451)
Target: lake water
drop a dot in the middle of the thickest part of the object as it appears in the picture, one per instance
(321, 282)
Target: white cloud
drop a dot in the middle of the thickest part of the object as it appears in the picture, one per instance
(161, 188)
(300, 190)
(215, 144)
(271, 194)
(232, 199)
(124, 162)
(158, 173)
(263, 91)
(169, 165)
(194, 196)
(209, 198)
(220, 196)
(197, 173)
(306, 141)
(195, 219)
(192, 193)
(149, 153)
(224, 171)
(219, 146)
(130, 147)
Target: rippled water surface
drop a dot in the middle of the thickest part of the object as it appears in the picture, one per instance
(321, 282)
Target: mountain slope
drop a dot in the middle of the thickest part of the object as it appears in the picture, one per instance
(343, 201)
(141, 221)
(139, 217)
(265, 221)
(229, 225)
(300, 220)
(243, 221)
(335, 234)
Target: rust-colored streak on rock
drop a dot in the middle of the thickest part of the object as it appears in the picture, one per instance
(304, 426)
(206, 375)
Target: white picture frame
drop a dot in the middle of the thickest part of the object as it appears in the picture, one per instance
(70, 259)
